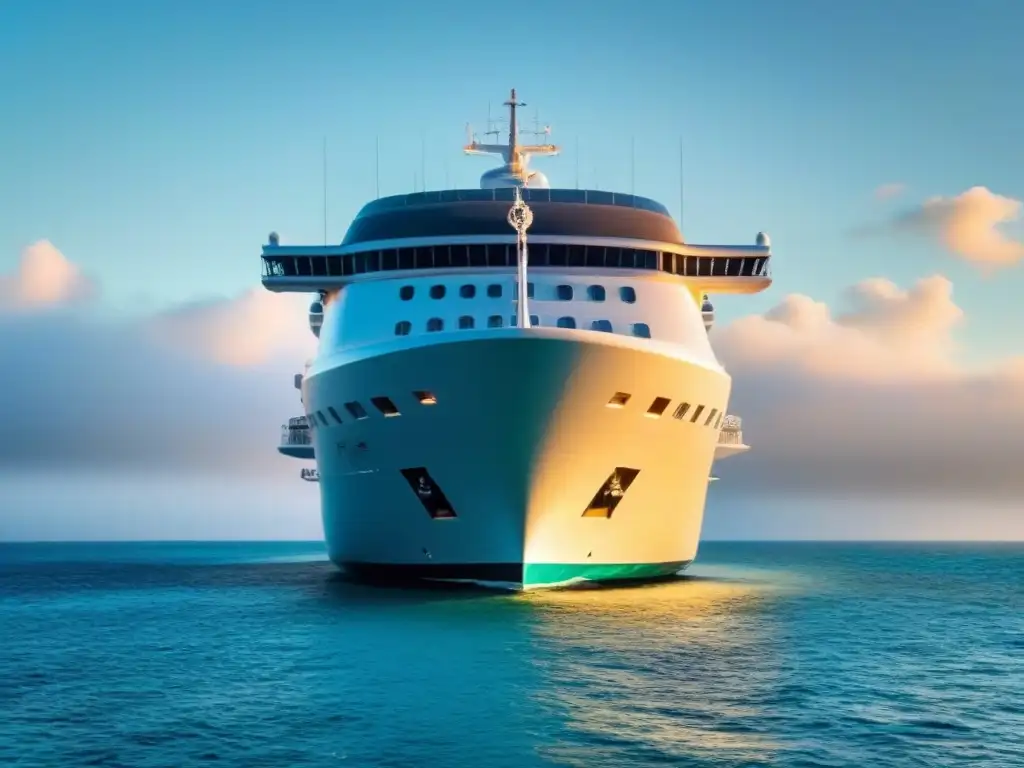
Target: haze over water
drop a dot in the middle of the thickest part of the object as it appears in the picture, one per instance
(259, 655)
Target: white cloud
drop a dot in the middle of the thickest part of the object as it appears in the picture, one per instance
(872, 399)
(250, 329)
(203, 388)
(44, 278)
(867, 399)
(969, 226)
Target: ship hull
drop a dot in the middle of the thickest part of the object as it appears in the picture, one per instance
(505, 479)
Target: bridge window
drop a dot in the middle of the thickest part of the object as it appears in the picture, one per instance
(567, 322)
(403, 328)
(494, 321)
(467, 291)
(564, 292)
(437, 291)
(681, 410)
(596, 292)
(643, 330)
(658, 407)
(406, 292)
(696, 414)
(711, 417)
(465, 322)
(494, 291)
(334, 413)
(435, 324)
(718, 421)
(602, 325)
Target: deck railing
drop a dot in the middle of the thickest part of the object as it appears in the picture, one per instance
(731, 432)
(293, 436)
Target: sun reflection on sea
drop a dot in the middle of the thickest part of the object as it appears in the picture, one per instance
(676, 670)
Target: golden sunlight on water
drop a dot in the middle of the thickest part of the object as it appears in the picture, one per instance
(678, 669)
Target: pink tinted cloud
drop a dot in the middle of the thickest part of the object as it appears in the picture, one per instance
(44, 278)
(872, 397)
(971, 226)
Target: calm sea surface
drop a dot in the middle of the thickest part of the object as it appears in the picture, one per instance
(253, 655)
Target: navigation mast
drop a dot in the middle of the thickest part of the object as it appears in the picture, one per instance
(515, 172)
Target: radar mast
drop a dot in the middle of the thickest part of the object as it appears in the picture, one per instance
(516, 171)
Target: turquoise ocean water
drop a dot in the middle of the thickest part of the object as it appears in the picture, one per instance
(251, 655)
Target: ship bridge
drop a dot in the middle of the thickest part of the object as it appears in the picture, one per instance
(451, 231)
(454, 230)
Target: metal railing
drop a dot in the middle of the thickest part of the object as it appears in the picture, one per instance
(731, 432)
(295, 436)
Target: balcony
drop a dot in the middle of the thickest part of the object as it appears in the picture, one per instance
(730, 438)
(296, 440)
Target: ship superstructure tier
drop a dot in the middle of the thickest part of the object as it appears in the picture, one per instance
(460, 432)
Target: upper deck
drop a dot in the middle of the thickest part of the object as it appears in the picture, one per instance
(468, 230)
(454, 230)
(563, 213)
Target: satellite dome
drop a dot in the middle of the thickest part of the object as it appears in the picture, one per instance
(537, 180)
(500, 178)
(274, 238)
(763, 240)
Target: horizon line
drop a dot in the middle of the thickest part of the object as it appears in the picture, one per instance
(320, 542)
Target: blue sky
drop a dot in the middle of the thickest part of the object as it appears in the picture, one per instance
(157, 143)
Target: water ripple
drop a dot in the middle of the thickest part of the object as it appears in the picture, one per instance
(260, 655)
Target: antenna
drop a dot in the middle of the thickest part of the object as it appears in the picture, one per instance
(680, 182)
(632, 165)
(377, 164)
(577, 162)
(492, 126)
(423, 161)
(325, 190)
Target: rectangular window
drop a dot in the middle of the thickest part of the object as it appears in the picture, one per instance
(424, 397)
(429, 493)
(697, 413)
(334, 413)
(711, 417)
(680, 412)
(611, 493)
(619, 400)
(658, 407)
(385, 406)
(356, 410)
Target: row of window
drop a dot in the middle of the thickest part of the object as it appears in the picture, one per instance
(660, 405)
(502, 255)
(355, 410)
(468, 322)
(627, 293)
(387, 408)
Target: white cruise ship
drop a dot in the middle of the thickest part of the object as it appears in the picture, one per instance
(465, 429)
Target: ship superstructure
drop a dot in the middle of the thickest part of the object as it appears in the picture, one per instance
(515, 383)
